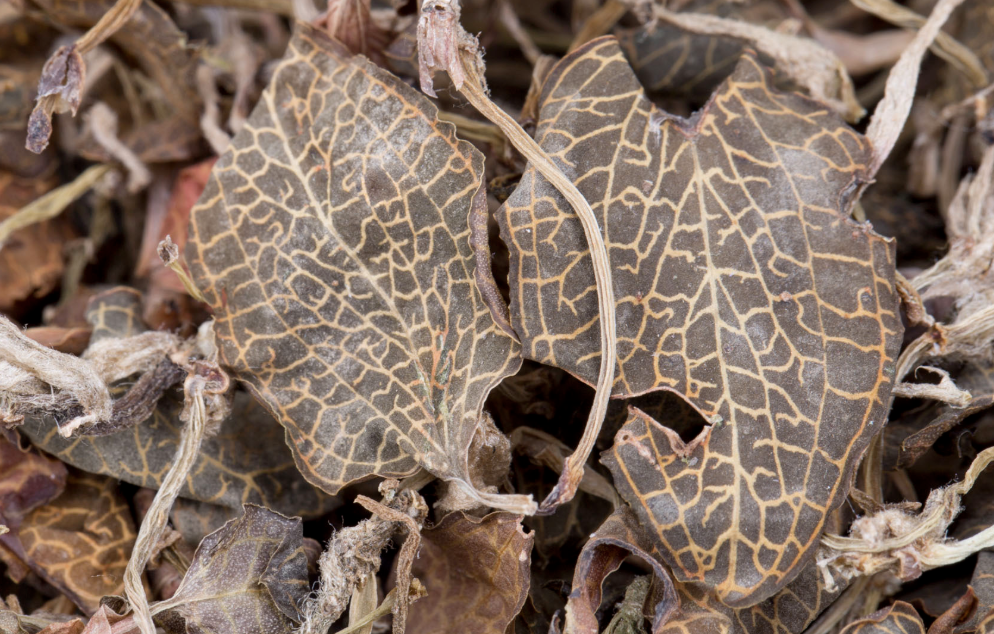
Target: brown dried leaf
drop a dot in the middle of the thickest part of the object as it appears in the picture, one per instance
(31, 260)
(245, 577)
(82, 540)
(962, 610)
(476, 572)
(619, 537)
(68, 340)
(899, 618)
(104, 620)
(341, 273)
(28, 479)
(742, 287)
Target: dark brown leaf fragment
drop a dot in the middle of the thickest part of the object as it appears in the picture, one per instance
(242, 578)
(477, 574)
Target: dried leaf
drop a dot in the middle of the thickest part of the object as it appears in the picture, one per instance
(790, 611)
(31, 260)
(899, 618)
(750, 294)
(619, 537)
(242, 578)
(358, 322)
(234, 467)
(82, 540)
(151, 38)
(59, 90)
(476, 572)
(959, 612)
(908, 438)
(28, 479)
(68, 340)
(804, 61)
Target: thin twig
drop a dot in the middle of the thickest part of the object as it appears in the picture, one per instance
(443, 44)
(154, 525)
(53, 203)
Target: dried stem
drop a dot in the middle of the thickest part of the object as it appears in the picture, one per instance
(445, 45)
(53, 203)
(891, 113)
(894, 540)
(155, 522)
(945, 46)
(353, 554)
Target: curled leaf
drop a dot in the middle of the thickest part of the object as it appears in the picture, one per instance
(619, 537)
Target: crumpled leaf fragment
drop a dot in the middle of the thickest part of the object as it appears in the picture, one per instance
(771, 313)
(341, 274)
(476, 571)
(81, 541)
(59, 90)
(619, 537)
(242, 578)
(898, 618)
(234, 466)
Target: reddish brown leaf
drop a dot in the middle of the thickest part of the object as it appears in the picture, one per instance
(961, 611)
(619, 537)
(476, 572)
(82, 540)
(31, 261)
(333, 244)
(28, 479)
(68, 340)
(740, 283)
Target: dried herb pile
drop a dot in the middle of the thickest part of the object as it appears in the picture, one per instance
(563, 316)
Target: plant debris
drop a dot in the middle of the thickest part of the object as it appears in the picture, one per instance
(550, 317)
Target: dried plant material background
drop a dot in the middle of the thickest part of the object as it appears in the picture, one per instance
(313, 314)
